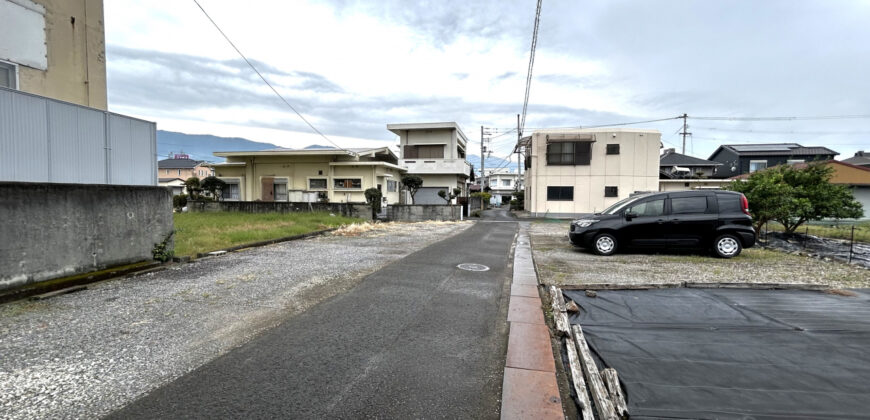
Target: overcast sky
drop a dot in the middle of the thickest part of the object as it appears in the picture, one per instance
(351, 67)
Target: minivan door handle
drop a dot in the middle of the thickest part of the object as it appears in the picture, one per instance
(660, 221)
(675, 221)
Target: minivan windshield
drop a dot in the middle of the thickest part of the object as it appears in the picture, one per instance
(619, 205)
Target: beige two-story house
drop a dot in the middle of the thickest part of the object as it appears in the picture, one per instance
(436, 153)
(309, 175)
(571, 172)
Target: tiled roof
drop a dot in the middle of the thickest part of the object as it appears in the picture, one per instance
(778, 149)
(679, 159)
(858, 160)
(178, 163)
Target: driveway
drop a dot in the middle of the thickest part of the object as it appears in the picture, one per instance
(420, 338)
(85, 354)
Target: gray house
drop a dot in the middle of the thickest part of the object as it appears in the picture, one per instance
(861, 158)
(738, 159)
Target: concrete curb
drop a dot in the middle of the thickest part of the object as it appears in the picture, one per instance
(529, 388)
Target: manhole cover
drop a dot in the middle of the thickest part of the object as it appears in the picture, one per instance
(472, 267)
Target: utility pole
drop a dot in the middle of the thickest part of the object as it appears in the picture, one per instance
(685, 131)
(519, 157)
(482, 161)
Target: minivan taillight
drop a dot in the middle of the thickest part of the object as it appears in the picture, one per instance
(744, 204)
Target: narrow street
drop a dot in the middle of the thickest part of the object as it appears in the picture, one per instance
(418, 338)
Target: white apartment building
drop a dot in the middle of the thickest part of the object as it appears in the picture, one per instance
(503, 184)
(436, 153)
(571, 172)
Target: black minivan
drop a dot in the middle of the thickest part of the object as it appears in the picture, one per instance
(682, 219)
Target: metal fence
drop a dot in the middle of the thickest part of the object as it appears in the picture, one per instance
(46, 140)
(843, 240)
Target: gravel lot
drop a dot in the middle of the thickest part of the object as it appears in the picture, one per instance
(90, 352)
(558, 262)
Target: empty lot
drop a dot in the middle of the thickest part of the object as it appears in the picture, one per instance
(559, 263)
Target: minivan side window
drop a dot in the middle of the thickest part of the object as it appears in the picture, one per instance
(684, 205)
(729, 203)
(650, 208)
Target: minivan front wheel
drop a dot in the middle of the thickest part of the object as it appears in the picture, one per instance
(604, 244)
(727, 246)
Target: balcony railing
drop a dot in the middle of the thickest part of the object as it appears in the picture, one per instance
(436, 166)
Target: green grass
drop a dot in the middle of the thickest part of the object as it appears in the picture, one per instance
(829, 230)
(205, 232)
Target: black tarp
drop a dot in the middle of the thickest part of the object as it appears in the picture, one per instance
(733, 353)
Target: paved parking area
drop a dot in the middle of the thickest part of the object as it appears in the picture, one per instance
(85, 354)
(558, 262)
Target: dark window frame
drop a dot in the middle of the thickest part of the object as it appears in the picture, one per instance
(611, 191)
(560, 193)
(580, 153)
(613, 149)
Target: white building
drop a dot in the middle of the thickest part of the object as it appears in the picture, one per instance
(436, 153)
(571, 172)
(503, 184)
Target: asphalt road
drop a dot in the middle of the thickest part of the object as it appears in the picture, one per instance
(418, 339)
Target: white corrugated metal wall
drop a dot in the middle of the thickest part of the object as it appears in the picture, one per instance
(45, 140)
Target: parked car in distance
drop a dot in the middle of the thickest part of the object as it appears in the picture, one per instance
(717, 220)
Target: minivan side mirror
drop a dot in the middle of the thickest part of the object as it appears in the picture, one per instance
(629, 215)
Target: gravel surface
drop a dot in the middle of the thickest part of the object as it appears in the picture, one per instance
(560, 263)
(87, 353)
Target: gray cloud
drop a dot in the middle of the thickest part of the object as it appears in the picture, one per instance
(506, 75)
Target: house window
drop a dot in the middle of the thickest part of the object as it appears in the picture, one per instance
(560, 193)
(569, 153)
(612, 149)
(279, 189)
(793, 161)
(166, 171)
(231, 191)
(179, 172)
(317, 183)
(611, 191)
(434, 151)
(7, 75)
(757, 165)
(505, 183)
(392, 186)
(348, 183)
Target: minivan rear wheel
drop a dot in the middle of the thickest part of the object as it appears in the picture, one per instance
(604, 244)
(727, 246)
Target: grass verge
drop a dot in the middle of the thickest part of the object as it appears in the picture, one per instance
(204, 232)
(829, 230)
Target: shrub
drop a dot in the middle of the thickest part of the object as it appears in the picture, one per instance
(179, 201)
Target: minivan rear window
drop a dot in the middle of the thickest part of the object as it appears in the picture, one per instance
(684, 205)
(729, 203)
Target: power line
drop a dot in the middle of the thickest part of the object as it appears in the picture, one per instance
(531, 65)
(739, 130)
(824, 117)
(266, 81)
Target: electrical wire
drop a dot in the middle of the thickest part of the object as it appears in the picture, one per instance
(824, 117)
(531, 65)
(267, 82)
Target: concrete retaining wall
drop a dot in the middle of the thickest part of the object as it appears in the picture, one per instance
(54, 230)
(360, 210)
(422, 212)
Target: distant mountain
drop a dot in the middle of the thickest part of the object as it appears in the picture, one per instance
(201, 146)
(317, 146)
(492, 162)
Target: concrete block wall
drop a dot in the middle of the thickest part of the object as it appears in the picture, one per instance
(422, 212)
(53, 230)
(360, 210)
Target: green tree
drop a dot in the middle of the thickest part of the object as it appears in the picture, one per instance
(193, 187)
(794, 196)
(484, 198)
(447, 197)
(213, 185)
(373, 198)
(412, 183)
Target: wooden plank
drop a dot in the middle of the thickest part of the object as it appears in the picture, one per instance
(611, 380)
(765, 286)
(578, 381)
(600, 396)
(560, 318)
